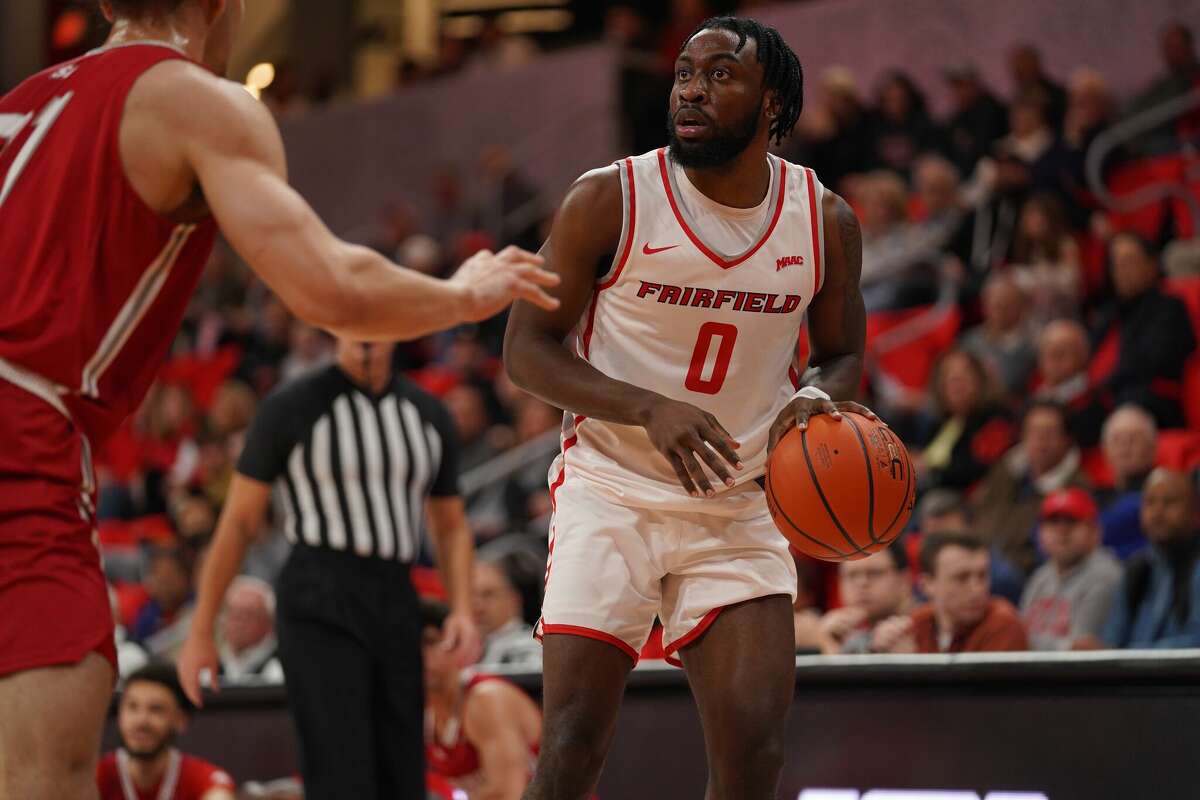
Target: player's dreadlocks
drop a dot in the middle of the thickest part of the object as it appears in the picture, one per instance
(781, 67)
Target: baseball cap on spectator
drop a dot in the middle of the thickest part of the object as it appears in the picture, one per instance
(1073, 503)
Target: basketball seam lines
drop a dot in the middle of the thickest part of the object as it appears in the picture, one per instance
(821, 494)
(794, 526)
(870, 480)
(907, 491)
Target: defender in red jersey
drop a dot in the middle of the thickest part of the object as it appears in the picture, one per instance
(115, 170)
(152, 713)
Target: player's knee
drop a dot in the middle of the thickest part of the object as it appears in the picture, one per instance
(574, 742)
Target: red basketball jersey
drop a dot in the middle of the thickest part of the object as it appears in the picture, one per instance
(94, 282)
(187, 778)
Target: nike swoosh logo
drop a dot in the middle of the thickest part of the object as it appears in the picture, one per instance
(648, 250)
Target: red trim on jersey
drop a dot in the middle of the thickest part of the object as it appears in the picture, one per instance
(794, 377)
(816, 231)
(625, 251)
(590, 633)
(703, 248)
(693, 634)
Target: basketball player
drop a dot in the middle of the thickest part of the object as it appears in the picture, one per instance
(115, 170)
(482, 735)
(152, 713)
(686, 275)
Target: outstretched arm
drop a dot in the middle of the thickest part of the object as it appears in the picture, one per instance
(228, 142)
(585, 236)
(837, 326)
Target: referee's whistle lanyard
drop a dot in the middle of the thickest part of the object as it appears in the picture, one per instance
(166, 789)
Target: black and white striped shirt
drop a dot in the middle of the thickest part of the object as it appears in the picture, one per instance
(355, 469)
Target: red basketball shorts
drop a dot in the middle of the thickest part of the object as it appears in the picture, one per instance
(54, 606)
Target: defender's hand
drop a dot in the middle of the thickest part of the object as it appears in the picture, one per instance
(681, 432)
(797, 412)
(490, 281)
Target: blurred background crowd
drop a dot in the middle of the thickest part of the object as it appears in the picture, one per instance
(1032, 339)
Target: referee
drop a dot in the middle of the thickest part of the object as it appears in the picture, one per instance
(360, 456)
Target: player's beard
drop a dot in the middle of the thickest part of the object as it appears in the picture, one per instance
(168, 740)
(725, 144)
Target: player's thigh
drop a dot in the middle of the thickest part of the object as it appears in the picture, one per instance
(603, 580)
(52, 721)
(721, 559)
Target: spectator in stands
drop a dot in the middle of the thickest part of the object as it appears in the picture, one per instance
(311, 350)
(978, 118)
(1045, 259)
(835, 137)
(1034, 145)
(1007, 502)
(641, 81)
(946, 219)
(151, 713)
(1153, 333)
(249, 649)
(873, 589)
(1004, 340)
(970, 431)
(901, 127)
(482, 733)
(468, 408)
(1070, 595)
(1130, 440)
(162, 623)
(899, 263)
(1159, 601)
(962, 616)
(504, 596)
(526, 495)
(948, 510)
(1090, 110)
(1063, 354)
(1031, 83)
(1178, 49)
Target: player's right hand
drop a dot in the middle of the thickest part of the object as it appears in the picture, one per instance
(490, 281)
(199, 655)
(681, 432)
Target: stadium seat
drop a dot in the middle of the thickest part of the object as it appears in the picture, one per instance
(1188, 290)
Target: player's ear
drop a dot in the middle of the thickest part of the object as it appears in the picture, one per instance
(107, 11)
(771, 104)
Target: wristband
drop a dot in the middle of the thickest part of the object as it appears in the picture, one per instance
(811, 393)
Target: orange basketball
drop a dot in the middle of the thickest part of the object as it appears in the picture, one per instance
(840, 490)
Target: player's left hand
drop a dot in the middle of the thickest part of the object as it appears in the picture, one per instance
(461, 639)
(797, 412)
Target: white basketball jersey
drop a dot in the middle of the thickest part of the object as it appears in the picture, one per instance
(676, 316)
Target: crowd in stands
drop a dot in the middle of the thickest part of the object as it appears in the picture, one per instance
(1036, 351)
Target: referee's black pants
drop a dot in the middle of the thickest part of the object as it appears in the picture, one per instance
(350, 646)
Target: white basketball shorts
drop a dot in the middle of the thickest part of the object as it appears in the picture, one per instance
(613, 568)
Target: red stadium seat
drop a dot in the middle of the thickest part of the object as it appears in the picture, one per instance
(904, 345)
(1178, 449)
(1188, 290)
